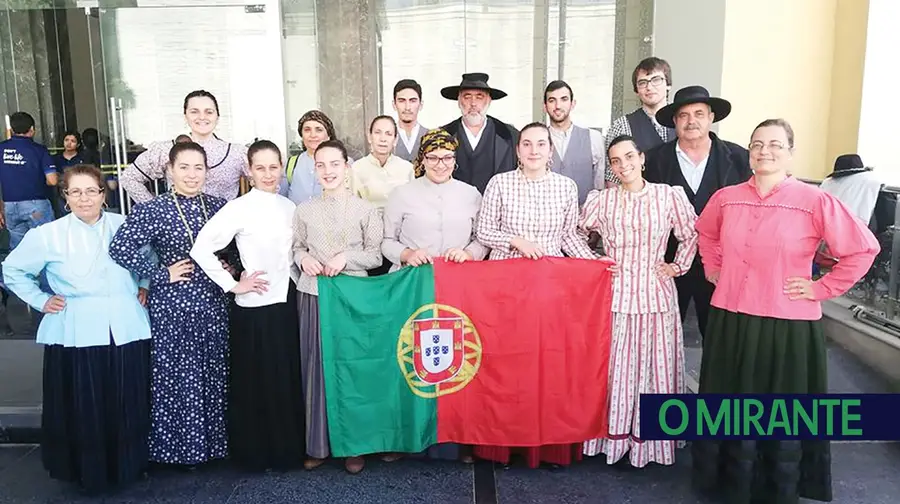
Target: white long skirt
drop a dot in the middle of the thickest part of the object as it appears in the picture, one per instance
(646, 357)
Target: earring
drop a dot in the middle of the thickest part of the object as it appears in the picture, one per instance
(643, 167)
(518, 164)
(66, 207)
(104, 205)
(549, 164)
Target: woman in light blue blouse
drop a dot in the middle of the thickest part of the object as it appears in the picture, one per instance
(96, 337)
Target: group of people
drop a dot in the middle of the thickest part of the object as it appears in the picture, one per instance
(188, 331)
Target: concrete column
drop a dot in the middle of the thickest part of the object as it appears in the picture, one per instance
(877, 121)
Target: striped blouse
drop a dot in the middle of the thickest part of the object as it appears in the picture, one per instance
(635, 228)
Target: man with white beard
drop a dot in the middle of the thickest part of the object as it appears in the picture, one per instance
(487, 146)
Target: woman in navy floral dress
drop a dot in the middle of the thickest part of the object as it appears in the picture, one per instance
(188, 315)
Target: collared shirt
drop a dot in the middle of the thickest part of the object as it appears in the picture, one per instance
(23, 169)
(693, 173)
(434, 217)
(227, 162)
(635, 227)
(328, 225)
(561, 139)
(543, 211)
(260, 223)
(101, 296)
(754, 243)
(409, 141)
(473, 137)
(373, 182)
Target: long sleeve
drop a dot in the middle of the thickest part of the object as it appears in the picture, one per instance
(23, 266)
(849, 240)
(488, 227)
(299, 247)
(149, 165)
(683, 218)
(709, 227)
(130, 245)
(393, 221)
(216, 234)
(474, 247)
(573, 243)
(589, 220)
(372, 233)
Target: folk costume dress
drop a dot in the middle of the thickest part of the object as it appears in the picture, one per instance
(323, 227)
(189, 321)
(760, 341)
(266, 427)
(647, 352)
(543, 211)
(96, 378)
(227, 162)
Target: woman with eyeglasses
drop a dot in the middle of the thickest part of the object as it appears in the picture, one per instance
(96, 336)
(188, 315)
(765, 335)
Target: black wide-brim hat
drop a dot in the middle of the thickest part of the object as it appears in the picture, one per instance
(848, 164)
(472, 81)
(688, 95)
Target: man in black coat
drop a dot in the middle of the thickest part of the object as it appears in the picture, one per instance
(701, 163)
(487, 146)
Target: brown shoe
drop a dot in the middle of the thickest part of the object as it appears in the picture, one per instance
(354, 465)
(311, 463)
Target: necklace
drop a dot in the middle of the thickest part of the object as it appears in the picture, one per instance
(100, 246)
(187, 227)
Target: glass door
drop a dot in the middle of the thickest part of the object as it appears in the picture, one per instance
(156, 52)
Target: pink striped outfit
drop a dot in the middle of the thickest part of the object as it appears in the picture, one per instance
(647, 354)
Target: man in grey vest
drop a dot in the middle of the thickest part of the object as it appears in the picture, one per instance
(407, 103)
(578, 153)
(651, 81)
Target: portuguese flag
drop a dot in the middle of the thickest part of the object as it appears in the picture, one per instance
(512, 352)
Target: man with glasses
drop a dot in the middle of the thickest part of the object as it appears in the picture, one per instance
(701, 163)
(651, 80)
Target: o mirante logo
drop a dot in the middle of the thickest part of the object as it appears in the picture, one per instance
(438, 351)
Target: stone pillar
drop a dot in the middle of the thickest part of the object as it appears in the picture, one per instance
(634, 42)
(348, 70)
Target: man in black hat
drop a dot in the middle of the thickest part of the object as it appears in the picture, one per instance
(701, 163)
(487, 146)
(858, 187)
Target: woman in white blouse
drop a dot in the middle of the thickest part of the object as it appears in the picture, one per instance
(434, 215)
(266, 409)
(532, 212)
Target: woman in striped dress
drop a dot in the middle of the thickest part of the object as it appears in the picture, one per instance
(635, 220)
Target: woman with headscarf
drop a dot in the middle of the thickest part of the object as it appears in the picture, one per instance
(227, 161)
(432, 217)
(96, 336)
(300, 182)
(266, 426)
(335, 233)
(635, 219)
(765, 334)
(188, 315)
(532, 212)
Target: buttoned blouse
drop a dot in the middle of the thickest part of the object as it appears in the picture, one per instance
(635, 228)
(430, 216)
(543, 211)
(755, 243)
(327, 225)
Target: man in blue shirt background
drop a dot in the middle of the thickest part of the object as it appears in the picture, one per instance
(26, 169)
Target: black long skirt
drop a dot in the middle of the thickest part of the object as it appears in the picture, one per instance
(266, 414)
(761, 355)
(96, 417)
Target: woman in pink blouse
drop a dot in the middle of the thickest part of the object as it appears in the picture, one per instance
(531, 212)
(227, 161)
(757, 240)
(634, 220)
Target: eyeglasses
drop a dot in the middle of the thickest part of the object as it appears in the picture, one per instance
(656, 81)
(90, 192)
(773, 146)
(448, 160)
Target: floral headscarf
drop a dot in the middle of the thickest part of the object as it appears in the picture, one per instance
(319, 117)
(431, 141)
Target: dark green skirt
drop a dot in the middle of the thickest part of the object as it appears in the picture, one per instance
(746, 354)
